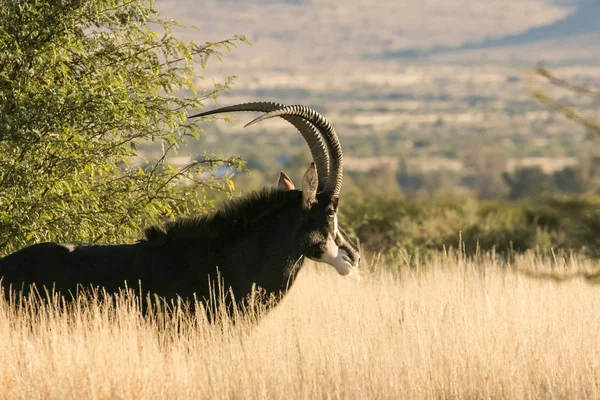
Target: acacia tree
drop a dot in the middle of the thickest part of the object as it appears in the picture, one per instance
(84, 83)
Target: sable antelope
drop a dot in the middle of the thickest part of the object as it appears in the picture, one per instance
(258, 240)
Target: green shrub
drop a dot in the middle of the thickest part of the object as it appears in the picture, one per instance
(84, 83)
(393, 223)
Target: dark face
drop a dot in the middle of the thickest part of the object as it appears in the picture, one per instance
(323, 241)
(320, 237)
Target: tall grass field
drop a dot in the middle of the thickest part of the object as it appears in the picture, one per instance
(447, 327)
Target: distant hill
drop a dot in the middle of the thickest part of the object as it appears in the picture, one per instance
(309, 36)
(584, 20)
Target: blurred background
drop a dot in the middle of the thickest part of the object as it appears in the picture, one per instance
(462, 117)
(428, 97)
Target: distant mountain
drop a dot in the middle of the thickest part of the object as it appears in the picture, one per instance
(245, 2)
(584, 20)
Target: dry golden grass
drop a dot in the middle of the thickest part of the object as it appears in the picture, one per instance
(451, 328)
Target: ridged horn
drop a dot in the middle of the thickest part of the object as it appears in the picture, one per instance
(318, 148)
(334, 183)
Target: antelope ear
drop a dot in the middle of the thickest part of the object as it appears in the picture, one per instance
(310, 182)
(285, 184)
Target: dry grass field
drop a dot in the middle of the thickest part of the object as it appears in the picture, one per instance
(447, 328)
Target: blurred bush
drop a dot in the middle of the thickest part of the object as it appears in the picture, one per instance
(390, 223)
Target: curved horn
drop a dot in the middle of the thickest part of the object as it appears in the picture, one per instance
(318, 148)
(334, 183)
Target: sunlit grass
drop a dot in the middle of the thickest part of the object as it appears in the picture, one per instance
(449, 327)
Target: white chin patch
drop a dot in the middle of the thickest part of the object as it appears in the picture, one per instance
(342, 266)
(336, 257)
(338, 262)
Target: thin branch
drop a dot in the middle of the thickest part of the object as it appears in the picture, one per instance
(566, 84)
(570, 112)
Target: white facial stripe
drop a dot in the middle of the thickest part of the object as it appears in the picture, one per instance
(335, 225)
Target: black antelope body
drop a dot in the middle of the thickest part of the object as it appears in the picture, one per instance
(258, 240)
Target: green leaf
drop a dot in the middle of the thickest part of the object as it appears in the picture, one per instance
(81, 92)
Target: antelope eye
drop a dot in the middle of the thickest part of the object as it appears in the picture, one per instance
(330, 213)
